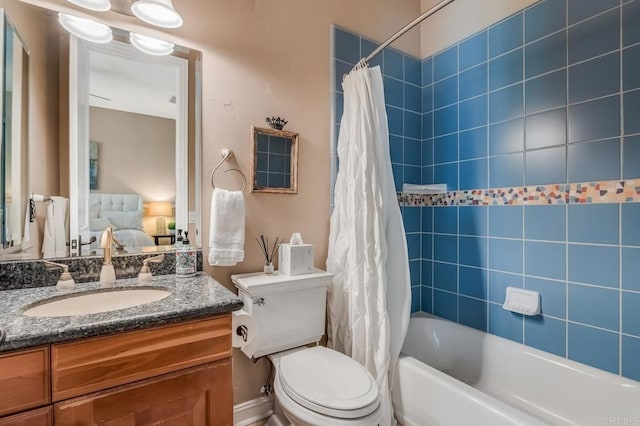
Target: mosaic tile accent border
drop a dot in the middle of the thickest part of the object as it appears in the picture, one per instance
(614, 191)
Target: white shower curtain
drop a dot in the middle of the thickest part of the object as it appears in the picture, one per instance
(369, 299)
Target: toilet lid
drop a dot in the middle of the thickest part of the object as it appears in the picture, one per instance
(328, 382)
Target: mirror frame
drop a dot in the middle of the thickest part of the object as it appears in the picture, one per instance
(79, 129)
(293, 136)
(19, 153)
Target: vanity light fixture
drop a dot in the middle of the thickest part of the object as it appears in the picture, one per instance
(86, 29)
(157, 12)
(151, 45)
(96, 5)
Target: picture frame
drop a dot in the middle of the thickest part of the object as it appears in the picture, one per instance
(274, 161)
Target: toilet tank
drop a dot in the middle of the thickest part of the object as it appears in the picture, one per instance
(289, 310)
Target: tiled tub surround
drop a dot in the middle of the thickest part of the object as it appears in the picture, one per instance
(550, 95)
(190, 298)
(583, 259)
(546, 98)
(32, 273)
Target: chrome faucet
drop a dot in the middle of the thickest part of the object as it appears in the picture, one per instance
(107, 273)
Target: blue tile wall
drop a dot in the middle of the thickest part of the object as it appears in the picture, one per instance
(472, 313)
(546, 333)
(549, 95)
(596, 347)
(630, 355)
(542, 102)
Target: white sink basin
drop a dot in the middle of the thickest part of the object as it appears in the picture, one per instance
(95, 303)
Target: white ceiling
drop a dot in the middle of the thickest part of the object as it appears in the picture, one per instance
(132, 85)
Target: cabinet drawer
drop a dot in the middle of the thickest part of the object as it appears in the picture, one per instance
(39, 417)
(24, 380)
(199, 396)
(104, 362)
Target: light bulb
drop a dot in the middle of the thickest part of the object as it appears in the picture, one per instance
(151, 45)
(157, 12)
(86, 29)
(97, 5)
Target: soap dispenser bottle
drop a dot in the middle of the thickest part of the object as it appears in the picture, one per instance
(179, 238)
(185, 259)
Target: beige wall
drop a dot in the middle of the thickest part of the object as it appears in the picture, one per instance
(270, 58)
(461, 19)
(136, 153)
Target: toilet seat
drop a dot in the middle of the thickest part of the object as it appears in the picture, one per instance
(328, 383)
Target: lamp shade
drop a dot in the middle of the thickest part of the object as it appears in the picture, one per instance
(86, 29)
(97, 5)
(162, 208)
(157, 12)
(151, 45)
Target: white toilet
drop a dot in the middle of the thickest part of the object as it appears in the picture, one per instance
(313, 386)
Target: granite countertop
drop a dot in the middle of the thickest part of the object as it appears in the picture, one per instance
(190, 298)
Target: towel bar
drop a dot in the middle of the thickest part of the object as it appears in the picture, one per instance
(226, 154)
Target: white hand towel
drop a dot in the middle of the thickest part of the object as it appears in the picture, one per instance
(54, 243)
(226, 239)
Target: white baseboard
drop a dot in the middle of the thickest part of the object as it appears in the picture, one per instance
(250, 412)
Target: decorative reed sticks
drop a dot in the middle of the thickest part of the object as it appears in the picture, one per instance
(264, 247)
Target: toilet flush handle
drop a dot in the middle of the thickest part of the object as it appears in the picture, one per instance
(259, 301)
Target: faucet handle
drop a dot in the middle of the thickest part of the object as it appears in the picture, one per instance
(145, 273)
(65, 282)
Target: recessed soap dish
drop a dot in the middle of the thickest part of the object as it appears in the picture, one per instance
(525, 302)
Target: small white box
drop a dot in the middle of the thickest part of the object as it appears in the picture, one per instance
(295, 259)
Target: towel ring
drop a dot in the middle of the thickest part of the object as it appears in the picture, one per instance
(226, 154)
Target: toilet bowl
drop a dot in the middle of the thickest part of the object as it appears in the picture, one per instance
(319, 386)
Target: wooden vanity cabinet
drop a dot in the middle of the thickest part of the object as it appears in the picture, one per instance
(171, 375)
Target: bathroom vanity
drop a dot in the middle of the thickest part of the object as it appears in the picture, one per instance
(165, 362)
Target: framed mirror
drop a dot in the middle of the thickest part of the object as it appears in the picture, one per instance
(115, 131)
(131, 145)
(274, 161)
(14, 107)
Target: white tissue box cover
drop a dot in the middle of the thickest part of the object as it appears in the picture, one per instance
(295, 259)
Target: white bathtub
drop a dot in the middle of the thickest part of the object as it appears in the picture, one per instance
(450, 374)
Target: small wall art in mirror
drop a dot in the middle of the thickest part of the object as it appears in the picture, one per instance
(274, 161)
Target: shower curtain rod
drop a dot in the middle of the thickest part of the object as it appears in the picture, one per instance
(406, 28)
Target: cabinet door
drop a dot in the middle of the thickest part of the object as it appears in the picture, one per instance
(24, 380)
(39, 417)
(199, 396)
